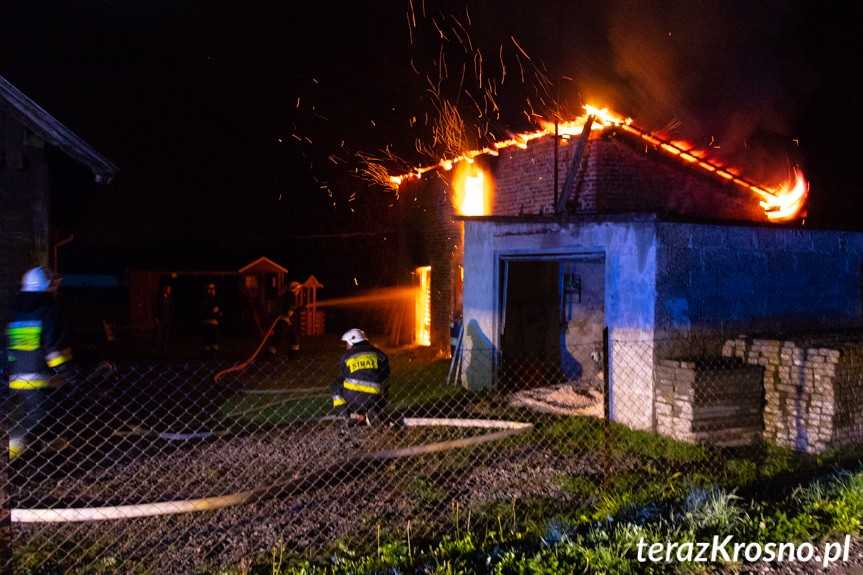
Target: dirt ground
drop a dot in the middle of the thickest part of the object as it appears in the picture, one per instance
(349, 504)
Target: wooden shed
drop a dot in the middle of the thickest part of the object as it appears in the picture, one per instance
(262, 283)
(30, 175)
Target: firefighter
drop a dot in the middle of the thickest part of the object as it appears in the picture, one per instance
(40, 361)
(210, 314)
(163, 316)
(361, 386)
(289, 322)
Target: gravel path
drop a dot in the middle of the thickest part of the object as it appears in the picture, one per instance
(349, 505)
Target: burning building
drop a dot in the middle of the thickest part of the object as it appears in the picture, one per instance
(543, 241)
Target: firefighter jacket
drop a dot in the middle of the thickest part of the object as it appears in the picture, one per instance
(365, 369)
(36, 339)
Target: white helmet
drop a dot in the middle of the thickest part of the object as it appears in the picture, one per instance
(353, 336)
(38, 280)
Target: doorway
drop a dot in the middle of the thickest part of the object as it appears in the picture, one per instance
(551, 320)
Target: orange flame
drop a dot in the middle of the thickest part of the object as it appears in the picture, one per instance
(422, 324)
(472, 205)
(785, 202)
(472, 190)
(780, 203)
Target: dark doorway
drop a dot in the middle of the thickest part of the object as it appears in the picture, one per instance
(553, 312)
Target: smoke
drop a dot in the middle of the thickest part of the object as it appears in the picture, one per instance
(722, 74)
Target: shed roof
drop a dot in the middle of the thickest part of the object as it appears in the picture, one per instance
(312, 282)
(263, 264)
(52, 131)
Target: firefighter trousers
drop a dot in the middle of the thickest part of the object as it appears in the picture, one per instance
(347, 400)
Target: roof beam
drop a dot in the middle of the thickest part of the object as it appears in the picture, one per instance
(574, 170)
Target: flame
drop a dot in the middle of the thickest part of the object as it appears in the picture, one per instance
(786, 201)
(602, 119)
(780, 203)
(422, 332)
(472, 205)
(472, 190)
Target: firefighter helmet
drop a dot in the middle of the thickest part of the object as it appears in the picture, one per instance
(353, 337)
(294, 287)
(38, 280)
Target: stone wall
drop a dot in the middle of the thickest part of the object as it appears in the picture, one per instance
(812, 390)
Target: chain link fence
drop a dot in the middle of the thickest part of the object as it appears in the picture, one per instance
(199, 466)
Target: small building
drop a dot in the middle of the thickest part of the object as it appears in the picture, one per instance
(39, 159)
(262, 283)
(250, 296)
(673, 254)
(313, 321)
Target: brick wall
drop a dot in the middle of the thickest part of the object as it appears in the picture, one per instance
(524, 178)
(621, 175)
(431, 237)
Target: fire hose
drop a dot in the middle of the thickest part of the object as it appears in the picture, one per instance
(246, 363)
(75, 514)
(239, 367)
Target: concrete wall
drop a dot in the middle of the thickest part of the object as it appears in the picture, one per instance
(716, 281)
(672, 290)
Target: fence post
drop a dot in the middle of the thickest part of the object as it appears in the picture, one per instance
(5, 519)
(5, 494)
(606, 408)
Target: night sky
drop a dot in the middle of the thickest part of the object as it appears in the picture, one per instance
(238, 127)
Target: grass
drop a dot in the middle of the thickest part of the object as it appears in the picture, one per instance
(661, 490)
(823, 510)
(417, 386)
(679, 492)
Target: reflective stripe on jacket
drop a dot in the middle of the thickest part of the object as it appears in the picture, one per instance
(36, 342)
(365, 369)
(362, 386)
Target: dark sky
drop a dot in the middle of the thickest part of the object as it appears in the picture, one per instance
(236, 125)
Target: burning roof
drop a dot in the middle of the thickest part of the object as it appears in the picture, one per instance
(777, 203)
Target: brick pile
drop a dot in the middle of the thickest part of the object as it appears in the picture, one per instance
(716, 401)
(812, 392)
